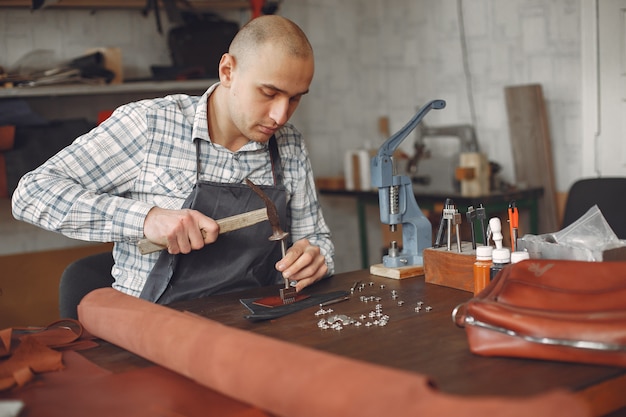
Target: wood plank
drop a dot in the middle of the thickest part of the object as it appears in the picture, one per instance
(532, 149)
(397, 273)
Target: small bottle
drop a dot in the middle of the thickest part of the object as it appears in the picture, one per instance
(482, 268)
(501, 257)
(519, 255)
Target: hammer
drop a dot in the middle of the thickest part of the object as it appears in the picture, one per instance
(288, 293)
(236, 222)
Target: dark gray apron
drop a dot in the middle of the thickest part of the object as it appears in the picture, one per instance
(237, 260)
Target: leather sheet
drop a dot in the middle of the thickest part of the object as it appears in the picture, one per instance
(305, 382)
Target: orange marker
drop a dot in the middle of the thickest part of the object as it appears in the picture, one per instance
(513, 224)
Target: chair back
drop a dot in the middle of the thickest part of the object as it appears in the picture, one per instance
(608, 193)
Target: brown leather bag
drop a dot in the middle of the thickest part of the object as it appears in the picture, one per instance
(559, 310)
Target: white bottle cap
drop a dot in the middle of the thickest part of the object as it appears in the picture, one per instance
(501, 255)
(519, 256)
(483, 253)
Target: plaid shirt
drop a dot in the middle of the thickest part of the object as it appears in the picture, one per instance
(101, 187)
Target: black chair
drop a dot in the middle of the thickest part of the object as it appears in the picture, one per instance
(608, 193)
(81, 277)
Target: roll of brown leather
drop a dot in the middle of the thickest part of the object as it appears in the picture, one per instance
(285, 379)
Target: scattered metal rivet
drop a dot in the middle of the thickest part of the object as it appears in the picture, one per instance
(400, 302)
(382, 285)
(428, 308)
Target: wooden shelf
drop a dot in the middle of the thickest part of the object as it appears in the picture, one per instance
(129, 4)
(86, 89)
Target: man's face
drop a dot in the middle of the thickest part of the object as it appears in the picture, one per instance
(266, 90)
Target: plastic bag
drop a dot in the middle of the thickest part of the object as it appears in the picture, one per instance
(584, 240)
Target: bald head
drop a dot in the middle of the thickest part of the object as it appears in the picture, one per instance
(278, 31)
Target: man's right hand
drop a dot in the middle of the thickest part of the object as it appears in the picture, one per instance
(180, 230)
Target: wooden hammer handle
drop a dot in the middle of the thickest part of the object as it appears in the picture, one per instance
(227, 224)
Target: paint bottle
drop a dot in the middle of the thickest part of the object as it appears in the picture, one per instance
(482, 268)
(501, 257)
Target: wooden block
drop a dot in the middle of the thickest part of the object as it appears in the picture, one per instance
(465, 173)
(397, 273)
(451, 268)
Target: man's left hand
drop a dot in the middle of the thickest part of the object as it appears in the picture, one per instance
(303, 263)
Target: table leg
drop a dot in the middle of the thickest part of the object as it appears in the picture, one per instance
(360, 208)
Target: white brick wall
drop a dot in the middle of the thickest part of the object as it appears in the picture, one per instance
(377, 58)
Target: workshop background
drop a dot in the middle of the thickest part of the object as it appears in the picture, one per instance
(374, 58)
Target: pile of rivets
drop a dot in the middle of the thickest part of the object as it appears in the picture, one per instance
(373, 318)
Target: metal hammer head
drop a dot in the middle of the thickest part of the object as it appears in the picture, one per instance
(278, 234)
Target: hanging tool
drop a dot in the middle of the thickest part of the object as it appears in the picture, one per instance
(288, 293)
(396, 199)
(448, 216)
(513, 224)
(227, 224)
(442, 225)
(481, 215)
(471, 216)
(456, 221)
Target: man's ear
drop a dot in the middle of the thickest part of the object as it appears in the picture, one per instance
(225, 69)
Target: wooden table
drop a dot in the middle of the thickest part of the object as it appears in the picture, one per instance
(496, 202)
(426, 342)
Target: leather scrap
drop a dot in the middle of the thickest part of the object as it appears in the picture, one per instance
(37, 350)
(5, 342)
(30, 357)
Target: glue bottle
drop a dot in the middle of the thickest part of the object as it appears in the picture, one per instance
(500, 256)
(482, 268)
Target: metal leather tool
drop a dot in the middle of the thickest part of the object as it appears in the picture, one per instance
(397, 201)
(471, 216)
(287, 294)
(442, 225)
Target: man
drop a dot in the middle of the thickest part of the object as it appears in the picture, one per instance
(129, 177)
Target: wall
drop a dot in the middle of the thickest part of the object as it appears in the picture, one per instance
(378, 58)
